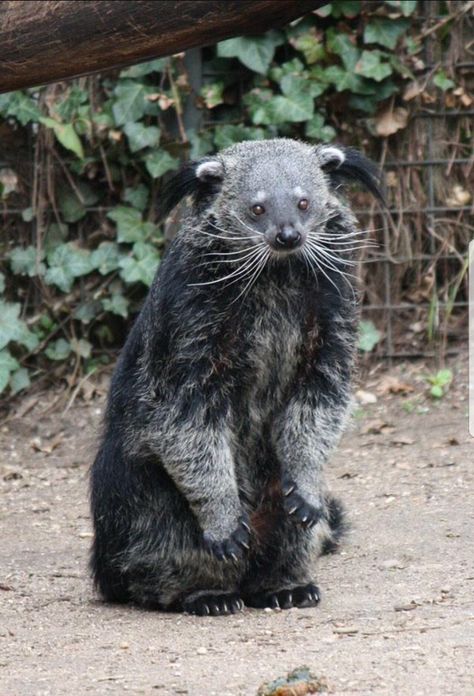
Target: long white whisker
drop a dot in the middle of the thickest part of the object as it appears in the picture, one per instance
(310, 262)
(337, 235)
(237, 272)
(232, 253)
(321, 262)
(234, 260)
(250, 269)
(330, 257)
(328, 260)
(254, 277)
(319, 266)
(218, 236)
(342, 249)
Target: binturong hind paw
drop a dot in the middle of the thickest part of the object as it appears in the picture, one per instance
(300, 596)
(234, 546)
(213, 603)
(297, 507)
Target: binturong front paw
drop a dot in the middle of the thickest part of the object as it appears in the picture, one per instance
(232, 547)
(297, 507)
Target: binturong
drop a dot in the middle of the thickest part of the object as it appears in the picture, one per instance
(233, 388)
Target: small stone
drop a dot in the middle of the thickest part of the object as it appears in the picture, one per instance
(392, 564)
(124, 646)
(201, 651)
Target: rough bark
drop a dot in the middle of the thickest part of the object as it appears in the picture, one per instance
(44, 41)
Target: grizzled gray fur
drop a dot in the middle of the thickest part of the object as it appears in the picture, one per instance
(233, 388)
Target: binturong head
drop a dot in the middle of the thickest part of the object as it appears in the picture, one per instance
(279, 193)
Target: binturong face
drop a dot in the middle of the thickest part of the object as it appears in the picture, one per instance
(260, 201)
(274, 193)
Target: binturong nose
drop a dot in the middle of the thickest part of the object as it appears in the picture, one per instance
(288, 237)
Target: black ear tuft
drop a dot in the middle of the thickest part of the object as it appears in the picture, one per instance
(348, 164)
(199, 179)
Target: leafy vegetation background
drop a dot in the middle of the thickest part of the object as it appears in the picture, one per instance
(82, 164)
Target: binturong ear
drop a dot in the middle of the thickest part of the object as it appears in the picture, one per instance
(347, 164)
(198, 179)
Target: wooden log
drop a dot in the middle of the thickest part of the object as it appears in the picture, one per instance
(44, 41)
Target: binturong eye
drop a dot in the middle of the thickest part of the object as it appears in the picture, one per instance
(258, 209)
(303, 204)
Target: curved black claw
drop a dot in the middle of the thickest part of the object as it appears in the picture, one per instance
(213, 604)
(299, 510)
(234, 546)
(300, 596)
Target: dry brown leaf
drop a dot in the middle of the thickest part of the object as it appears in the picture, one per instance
(47, 447)
(412, 91)
(403, 440)
(374, 427)
(393, 385)
(390, 121)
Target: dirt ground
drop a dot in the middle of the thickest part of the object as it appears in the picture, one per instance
(397, 611)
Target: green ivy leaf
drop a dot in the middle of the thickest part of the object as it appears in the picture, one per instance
(65, 134)
(137, 196)
(370, 65)
(130, 225)
(150, 66)
(105, 258)
(385, 31)
(225, 136)
(117, 304)
(345, 8)
(55, 234)
(12, 328)
(72, 207)
(369, 336)
(23, 108)
(256, 53)
(68, 108)
(296, 106)
(296, 87)
(87, 311)
(7, 365)
(201, 143)
(140, 136)
(310, 47)
(130, 103)
(344, 79)
(442, 81)
(291, 67)
(19, 380)
(140, 267)
(317, 129)
(24, 261)
(67, 262)
(340, 44)
(213, 94)
(160, 162)
(81, 347)
(58, 350)
(406, 7)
